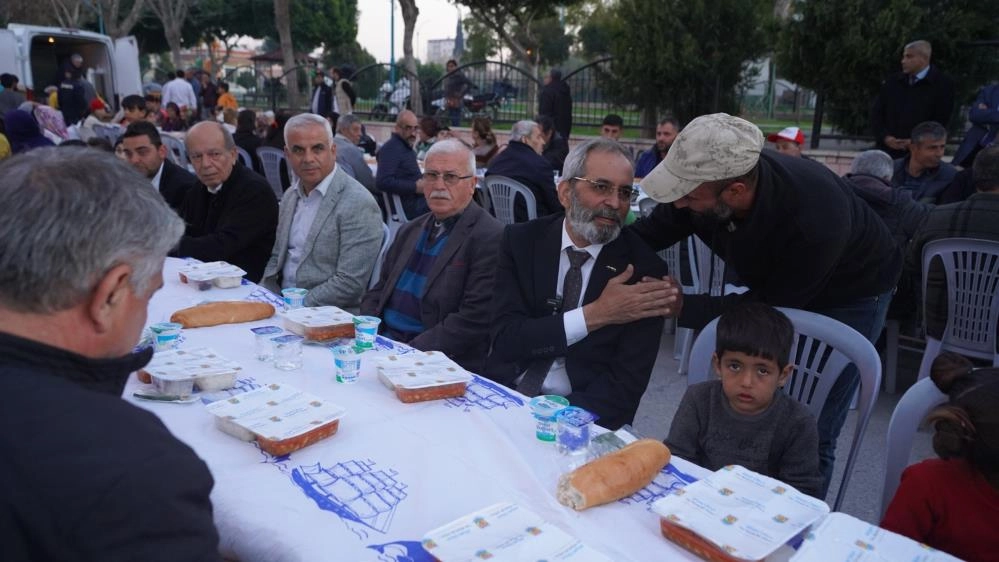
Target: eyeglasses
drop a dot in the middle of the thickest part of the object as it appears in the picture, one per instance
(449, 179)
(603, 188)
(211, 155)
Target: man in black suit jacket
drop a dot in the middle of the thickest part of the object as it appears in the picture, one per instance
(322, 96)
(598, 351)
(521, 160)
(231, 214)
(142, 147)
(919, 93)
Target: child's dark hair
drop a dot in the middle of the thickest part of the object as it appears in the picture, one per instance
(756, 329)
(968, 425)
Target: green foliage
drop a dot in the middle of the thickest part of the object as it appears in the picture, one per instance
(552, 41)
(686, 57)
(323, 22)
(246, 80)
(846, 48)
(354, 55)
(480, 41)
(429, 73)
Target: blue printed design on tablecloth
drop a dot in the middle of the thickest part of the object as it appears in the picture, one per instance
(402, 551)
(487, 395)
(665, 483)
(261, 294)
(355, 490)
(381, 344)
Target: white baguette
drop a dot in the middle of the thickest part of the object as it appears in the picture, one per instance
(613, 476)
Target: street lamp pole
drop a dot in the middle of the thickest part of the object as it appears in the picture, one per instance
(392, 42)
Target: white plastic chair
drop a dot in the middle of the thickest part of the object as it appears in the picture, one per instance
(502, 192)
(707, 271)
(108, 132)
(910, 411)
(387, 236)
(245, 157)
(177, 151)
(971, 269)
(396, 212)
(822, 348)
(271, 159)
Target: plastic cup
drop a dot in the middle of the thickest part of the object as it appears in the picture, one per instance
(348, 364)
(263, 336)
(287, 351)
(165, 335)
(544, 409)
(573, 427)
(365, 330)
(294, 297)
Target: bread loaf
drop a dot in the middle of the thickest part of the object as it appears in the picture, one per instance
(222, 312)
(613, 476)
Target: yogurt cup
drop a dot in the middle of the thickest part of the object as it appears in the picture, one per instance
(348, 364)
(544, 409)
(365, 330)
(165, 335)
(294, 297)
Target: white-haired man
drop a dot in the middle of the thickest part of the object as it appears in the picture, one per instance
(87, 475)
(436, 287)
(330, 228)
(522, 161)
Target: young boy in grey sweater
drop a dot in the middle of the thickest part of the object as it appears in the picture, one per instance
(743, 417)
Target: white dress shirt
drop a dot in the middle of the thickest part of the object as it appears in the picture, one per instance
(158, 176)
(306, 209)
(573, 321)
(180, 92)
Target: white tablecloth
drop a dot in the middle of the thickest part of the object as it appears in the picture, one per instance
(391, 473)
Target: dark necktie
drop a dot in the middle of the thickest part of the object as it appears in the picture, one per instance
(572, 287)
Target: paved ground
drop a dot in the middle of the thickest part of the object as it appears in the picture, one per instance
(863, 498)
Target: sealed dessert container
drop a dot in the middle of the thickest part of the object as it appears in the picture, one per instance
(320, 323)
(201, 367)
(281, 418)
(217, 273)
(422, 376)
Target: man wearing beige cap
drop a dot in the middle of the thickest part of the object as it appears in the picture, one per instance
(793, 232)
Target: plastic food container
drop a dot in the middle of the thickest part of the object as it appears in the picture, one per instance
(423, 376)
(281, 418)
(320, 323)
(178, 371)
(217, 273)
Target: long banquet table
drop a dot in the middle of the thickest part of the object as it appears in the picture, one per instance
(393, 471)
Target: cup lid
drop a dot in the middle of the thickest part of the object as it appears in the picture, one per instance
(576, 416)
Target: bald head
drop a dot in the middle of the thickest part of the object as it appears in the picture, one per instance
(406, 126)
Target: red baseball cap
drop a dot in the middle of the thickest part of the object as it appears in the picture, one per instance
(792, 134)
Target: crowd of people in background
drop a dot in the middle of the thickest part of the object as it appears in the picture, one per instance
(572, 303)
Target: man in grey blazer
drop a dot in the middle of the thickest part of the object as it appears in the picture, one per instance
(329, 228)
(436, 286)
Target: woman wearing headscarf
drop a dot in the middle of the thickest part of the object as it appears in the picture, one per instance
(23, 132)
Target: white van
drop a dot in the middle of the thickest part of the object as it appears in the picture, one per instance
(36, 54)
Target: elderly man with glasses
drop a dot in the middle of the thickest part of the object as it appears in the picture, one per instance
(579, 303)
(231, 214)
(437, 284)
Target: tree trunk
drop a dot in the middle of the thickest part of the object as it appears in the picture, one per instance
(172, 14)
(282, 19)
(409, 14)
(110, 10)
(67, 12)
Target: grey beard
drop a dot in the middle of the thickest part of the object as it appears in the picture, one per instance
(582, 223)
